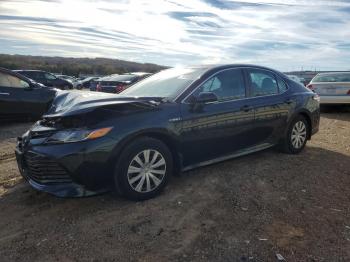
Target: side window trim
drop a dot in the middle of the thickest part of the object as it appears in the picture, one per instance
(247, 82)
(278, 87)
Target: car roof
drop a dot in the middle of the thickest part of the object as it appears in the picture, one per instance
(223, 66)
(213, 68)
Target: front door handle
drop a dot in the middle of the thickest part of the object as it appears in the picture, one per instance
(246, 108)
(5, 94)
(288, 101)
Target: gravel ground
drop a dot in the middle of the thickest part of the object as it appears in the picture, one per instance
(246, 209)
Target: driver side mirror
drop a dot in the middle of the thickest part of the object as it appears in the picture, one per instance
(206, 97)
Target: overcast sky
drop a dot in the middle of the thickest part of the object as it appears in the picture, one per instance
(283, 34)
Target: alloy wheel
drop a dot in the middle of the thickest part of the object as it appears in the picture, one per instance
(146, 171)
(298, 136)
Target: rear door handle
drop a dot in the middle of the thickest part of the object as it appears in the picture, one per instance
(288, 101)
(246, 108)
(5, 94)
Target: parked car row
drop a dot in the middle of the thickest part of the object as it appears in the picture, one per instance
(47, 79)
(86, 82)
(110, 84)
(74, 81)
(117, 83)
(78, 83)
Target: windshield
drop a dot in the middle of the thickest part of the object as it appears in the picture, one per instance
(344, 77)
(167, 83)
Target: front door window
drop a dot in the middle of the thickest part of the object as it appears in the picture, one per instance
(226, 85)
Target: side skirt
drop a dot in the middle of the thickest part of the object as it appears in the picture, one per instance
(223, 158)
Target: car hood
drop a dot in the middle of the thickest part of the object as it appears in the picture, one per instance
(69, 103)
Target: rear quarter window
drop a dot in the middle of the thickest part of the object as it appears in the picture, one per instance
(263, 82)
(282, 86)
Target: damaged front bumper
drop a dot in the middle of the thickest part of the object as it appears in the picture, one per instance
(67, 170)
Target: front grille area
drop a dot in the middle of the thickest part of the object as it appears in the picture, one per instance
(44, 171)
(40, 134)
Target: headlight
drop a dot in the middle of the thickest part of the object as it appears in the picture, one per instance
(69, 136)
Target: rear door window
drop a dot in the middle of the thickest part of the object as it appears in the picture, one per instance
(262, 82)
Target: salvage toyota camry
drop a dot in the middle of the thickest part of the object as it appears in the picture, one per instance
(173, 121)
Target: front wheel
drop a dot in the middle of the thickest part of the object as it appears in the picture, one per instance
(143, 169)
(297, 135)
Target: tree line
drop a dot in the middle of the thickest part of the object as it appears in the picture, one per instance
(76, 66)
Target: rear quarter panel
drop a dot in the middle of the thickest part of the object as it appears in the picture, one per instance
(305, 105)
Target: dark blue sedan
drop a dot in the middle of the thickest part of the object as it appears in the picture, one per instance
(173, 121)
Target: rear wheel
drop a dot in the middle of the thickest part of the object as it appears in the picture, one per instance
(297, 135)
(143, 169)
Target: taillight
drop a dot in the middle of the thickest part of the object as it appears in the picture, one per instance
(98, 87)
(316, 97)
(348, 93)
(119, 88)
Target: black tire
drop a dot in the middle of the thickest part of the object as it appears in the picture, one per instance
(127, 158)
(287, 144)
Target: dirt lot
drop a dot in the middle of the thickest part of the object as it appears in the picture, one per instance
(246, 209)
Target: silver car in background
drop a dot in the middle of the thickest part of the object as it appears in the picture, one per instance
(333, 88)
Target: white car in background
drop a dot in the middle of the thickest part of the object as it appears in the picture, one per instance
(333, 88)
